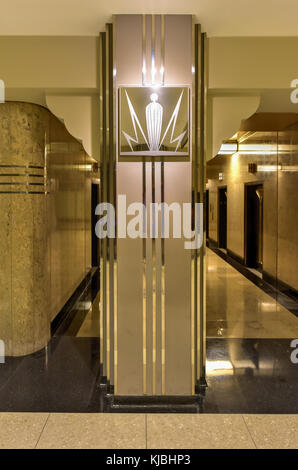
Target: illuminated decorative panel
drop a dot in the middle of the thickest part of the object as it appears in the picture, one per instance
(154, 122)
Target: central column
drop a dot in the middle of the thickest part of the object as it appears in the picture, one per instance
(152, 153)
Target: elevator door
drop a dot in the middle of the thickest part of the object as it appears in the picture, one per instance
(222, 219)
(254, 226)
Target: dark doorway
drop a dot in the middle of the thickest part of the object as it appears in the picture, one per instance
(254, 225)
(222, 218)
(95, 240)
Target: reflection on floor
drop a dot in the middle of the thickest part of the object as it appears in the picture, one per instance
(236, 308)
(91, 325)
(248, 372)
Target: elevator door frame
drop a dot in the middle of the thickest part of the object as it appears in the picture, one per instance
(246, 188)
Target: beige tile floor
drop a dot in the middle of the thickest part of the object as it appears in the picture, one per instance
(236, 308)
(140, 431)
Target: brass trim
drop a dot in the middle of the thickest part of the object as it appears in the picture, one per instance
(153, 51)
(110, 153)
(202, 190)
(162, 57)
(198, 261)
(195, 168)
(24, 192)
(23, 166)
(115, 268)
(154, 274)
(163, 288)
(144, 284)
(144, 71)
(103, 187)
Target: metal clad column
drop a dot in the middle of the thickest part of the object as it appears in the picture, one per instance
(152, 289)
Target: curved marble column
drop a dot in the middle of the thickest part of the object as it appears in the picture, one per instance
(44, 194)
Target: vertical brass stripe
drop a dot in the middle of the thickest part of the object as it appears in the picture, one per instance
(153, 221)
(197, 195)
(193, 166)
(111, 199)
(108, 189)
(101, 192)
(163, 287)
(144, 50)
(115, 268)
(153, 51)
(104, 198)
(162, 50)
(203, 119)
(108, 363)
(144, 285)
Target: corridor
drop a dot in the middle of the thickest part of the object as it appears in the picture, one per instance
(237, 308)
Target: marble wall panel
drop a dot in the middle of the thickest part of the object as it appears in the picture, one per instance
(45, 243)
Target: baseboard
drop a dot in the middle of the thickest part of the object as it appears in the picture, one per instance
(280, 285)
(212, 243)
(236, 257)
(154, 404)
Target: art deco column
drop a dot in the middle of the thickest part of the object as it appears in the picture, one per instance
(152, 83)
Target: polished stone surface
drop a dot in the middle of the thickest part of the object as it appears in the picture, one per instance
(94, 431)
(45, 233)
(244, 375)
(273, 432)
(250, 376)
(237, 308)
(21, 430)
(61, 378)
(155, 431)
(198, 432)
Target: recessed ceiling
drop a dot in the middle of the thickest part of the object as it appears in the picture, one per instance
(87, 17)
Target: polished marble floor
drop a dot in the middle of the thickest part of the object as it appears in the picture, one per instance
(248, 367)
(237, 308)
(137, 431)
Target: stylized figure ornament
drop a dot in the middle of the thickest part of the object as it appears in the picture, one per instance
(154, 112)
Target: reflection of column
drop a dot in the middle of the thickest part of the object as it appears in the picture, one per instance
(154, 112)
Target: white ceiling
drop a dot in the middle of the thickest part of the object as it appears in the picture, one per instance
(87, 17)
